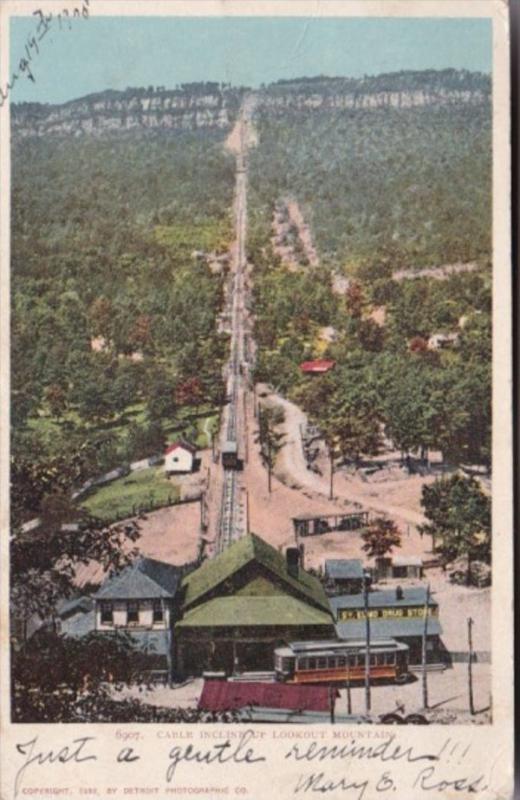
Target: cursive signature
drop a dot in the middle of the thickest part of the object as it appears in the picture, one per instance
(223, 753)
(75, 752)
(445, 775)
(44, 24)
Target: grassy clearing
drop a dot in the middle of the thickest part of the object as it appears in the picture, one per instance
(198, 430)
(122, 498)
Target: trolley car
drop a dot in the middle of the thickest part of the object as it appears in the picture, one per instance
(342, 661)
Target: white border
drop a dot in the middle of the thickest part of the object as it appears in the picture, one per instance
(491, 746)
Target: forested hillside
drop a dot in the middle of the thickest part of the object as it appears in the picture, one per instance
(114, 299)
(387, 190)
(117, 280)
(410, 186)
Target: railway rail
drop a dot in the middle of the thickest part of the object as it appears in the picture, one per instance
(231, 521)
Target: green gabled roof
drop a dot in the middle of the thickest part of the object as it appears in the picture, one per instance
(250, 548)
(246, 610)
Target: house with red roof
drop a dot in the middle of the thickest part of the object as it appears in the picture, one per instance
(317, 367)
(179, 457)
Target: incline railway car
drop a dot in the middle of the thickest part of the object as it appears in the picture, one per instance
(327, 662)
(230, 459)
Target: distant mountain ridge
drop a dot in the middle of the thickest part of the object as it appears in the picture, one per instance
(188, 107)
(404, 89)
(212, 105)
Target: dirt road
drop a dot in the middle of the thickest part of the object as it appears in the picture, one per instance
(292, 469)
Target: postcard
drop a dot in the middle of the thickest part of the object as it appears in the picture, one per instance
(256, 438)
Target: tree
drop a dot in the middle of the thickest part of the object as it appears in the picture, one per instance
(411, 407)
(140, 336)
(161, 402)
(144, 440)
(459, 515)
(381, 536)
(96, 400)
(44, 561)
(270, 439)
(189, 392)
(349, 427)
(354, 299)
(101, 317)
(56, 399)
(56, 678)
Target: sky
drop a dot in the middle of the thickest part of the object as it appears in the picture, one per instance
(115, 53)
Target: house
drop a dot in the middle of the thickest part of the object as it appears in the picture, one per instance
(240, 605)
(394, 613)
(344, 575)
(141, 600)
(317, 367)
(441, 341)
(179, 457)
(399, 567)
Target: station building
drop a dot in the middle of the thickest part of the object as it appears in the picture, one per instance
(394, 613)
(242, 604)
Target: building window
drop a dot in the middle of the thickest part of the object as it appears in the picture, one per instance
(107, 613)
(132, 613)
(158, 612)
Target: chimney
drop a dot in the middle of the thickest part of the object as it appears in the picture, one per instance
(292, 560)
(399, 593)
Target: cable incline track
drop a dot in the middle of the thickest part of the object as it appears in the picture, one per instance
(231, 524)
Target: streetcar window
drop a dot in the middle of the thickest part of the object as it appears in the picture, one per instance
(342, 661)
(312, 663)
(390, 658)
(331, 663)
(322, 663)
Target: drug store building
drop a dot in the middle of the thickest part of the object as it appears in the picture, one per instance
(240, 605)
(394, 613)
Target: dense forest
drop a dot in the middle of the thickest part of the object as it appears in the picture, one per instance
(411, 185)
(117, 282)
(386, 192)
(114, 301)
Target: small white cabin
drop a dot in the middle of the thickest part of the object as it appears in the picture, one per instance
(179, 457)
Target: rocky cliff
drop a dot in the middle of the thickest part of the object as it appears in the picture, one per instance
(214, 106)
(395, 90)
(191, 107)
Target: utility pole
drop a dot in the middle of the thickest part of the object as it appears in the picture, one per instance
(349, 695)
(424, 649)
(331, 492)
(470, 667)
(367, 648)
(332, 703)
